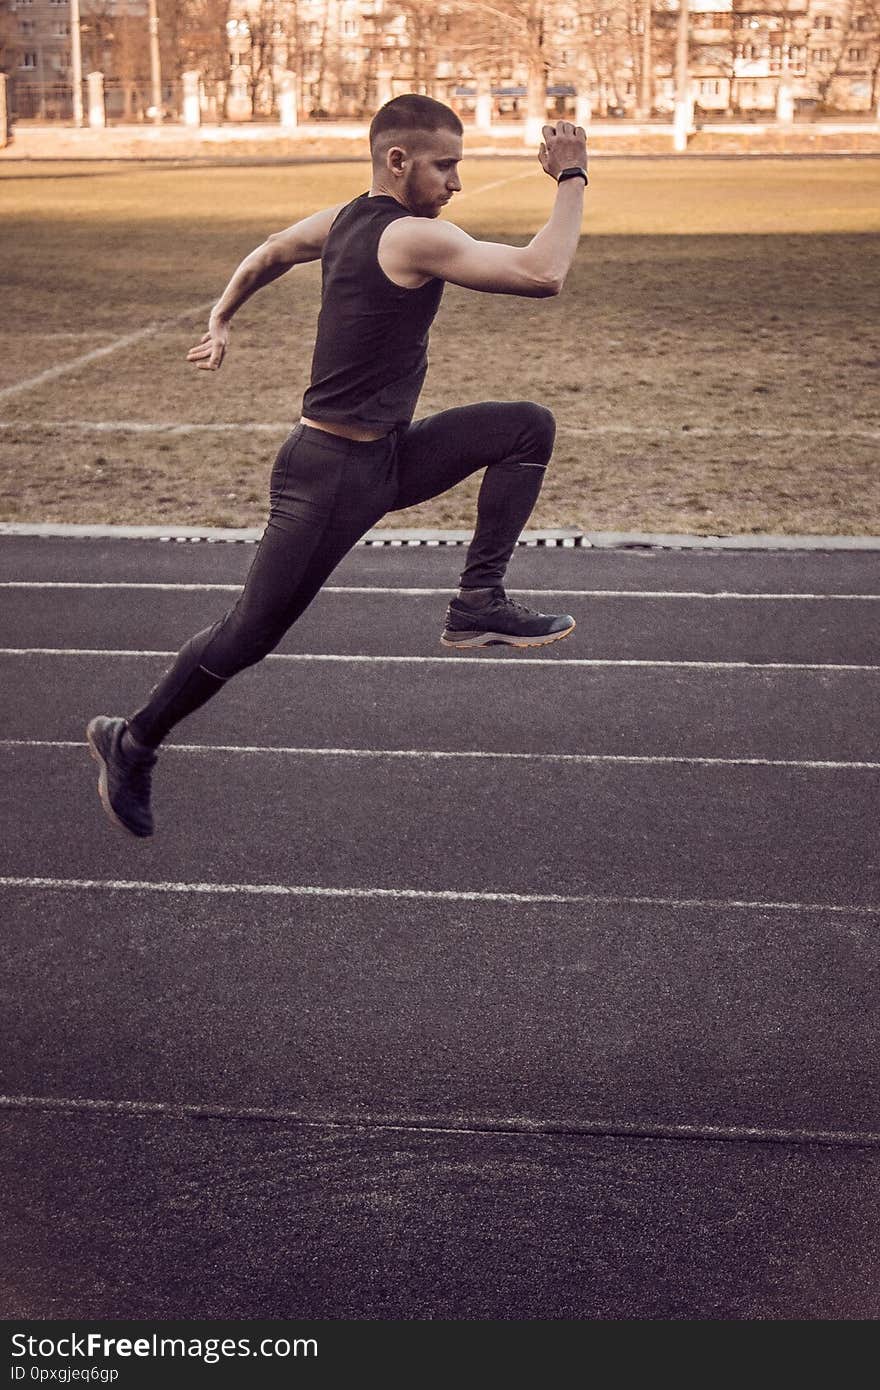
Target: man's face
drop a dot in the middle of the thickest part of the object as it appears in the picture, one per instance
(430, 172)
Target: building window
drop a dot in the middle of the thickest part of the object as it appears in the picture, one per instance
(28, 60)
(27, 26)
(61, 27)
(822, 55)
(823, 21)
(858, 55)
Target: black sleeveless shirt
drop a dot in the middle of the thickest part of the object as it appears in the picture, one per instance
(371, 353)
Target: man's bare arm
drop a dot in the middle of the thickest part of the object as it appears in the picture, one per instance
(414, 249)
(296, 245)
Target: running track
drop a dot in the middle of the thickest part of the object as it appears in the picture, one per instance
(448, 988)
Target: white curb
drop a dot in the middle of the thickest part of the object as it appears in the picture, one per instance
(565, 536)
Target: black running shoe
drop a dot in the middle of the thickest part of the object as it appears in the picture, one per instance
(501, 622)
(124, 783)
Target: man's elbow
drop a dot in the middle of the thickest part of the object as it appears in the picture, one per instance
(277, 253)
(547, 287)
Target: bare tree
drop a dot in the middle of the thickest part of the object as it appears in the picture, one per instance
(131, 63)
(263, 25)
(6, 32)
(204, 45)
(292, 32)
(870, 34)
(427, 30)
(831, 70)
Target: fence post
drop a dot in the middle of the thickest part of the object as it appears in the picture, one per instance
(5, 124)
(97, 114)
(288, 101)
(383, 86)
(683, 119)
(785, 99)
(192, 105)
(483, 115)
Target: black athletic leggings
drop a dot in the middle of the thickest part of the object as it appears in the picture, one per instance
(325, 493)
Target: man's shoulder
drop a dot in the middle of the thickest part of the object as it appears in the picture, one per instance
(410, 231)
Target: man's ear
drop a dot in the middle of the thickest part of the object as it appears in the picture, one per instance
(396, 159)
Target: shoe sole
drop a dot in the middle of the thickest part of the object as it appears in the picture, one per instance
(500, 639)
(104, 793)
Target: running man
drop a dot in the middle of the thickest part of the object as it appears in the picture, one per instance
(356, 454)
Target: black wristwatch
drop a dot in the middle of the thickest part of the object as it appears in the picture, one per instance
(575, 172)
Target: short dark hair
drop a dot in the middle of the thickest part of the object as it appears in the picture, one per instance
(411, 113)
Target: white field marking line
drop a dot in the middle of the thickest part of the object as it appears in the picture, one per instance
(62, 334)
(283, 427)
(429, 593)
(304, 890)
(130, 338)
(127, 341)
(814, 764)
(459, 658)
(144, 426)
(282, 890)
(439, 1124)
(498, 183)
(726, 431)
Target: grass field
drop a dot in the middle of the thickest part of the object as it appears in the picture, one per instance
(713, 361)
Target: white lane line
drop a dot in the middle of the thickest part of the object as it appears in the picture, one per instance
(169, 587)
(459, 658)
(128, 340)
(813, 764)
(440, 1124)
(303, 890)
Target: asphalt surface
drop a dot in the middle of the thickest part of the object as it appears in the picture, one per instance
(478, 988)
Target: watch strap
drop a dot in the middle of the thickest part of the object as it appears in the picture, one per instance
(576, 171)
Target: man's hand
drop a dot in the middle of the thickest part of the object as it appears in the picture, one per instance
(209, 352)
(563, 146)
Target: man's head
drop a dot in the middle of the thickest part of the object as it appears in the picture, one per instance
(416, 146)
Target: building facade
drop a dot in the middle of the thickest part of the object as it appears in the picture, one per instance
(345, 57)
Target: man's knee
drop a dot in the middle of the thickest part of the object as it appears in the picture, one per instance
(242, 640)
(538, 429)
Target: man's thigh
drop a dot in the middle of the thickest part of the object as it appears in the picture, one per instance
(436, 453)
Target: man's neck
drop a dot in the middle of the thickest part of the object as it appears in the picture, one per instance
(378, 190)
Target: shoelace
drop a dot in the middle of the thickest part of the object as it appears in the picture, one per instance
(505, 602)
(500, 600)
